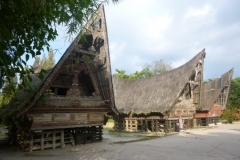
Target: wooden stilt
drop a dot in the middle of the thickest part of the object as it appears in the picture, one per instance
(126, 121)
(31, 143)
(53, 139)
(170, 126)
(92, 134)
(76, 135)
(156, 124)
(84, 136)
(100, 133)
(141, 121)
(131, 129)
(42, 140)
(146, 124)
(73, 142)
(62, 138)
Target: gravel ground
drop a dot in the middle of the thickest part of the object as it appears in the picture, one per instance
(221, 143)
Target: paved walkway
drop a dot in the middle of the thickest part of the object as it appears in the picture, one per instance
(222, 143)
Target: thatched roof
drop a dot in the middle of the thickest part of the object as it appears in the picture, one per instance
(212, 90)
(156, 93)
(23, 97)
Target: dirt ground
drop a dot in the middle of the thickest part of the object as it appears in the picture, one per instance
(221, 143)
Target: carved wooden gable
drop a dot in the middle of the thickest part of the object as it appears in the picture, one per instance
(84, 69)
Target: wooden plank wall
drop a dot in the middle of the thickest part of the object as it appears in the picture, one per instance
(65, 120)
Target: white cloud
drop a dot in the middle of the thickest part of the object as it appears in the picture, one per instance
(155, 26)
(136, 60)
(142, 31)
(200, 12)
(116, 50)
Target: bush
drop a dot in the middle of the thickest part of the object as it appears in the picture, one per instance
(230, 114)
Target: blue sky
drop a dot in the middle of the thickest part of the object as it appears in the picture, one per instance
(141, 32)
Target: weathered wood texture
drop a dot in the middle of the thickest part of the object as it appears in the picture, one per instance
(184, 108)
(89, 134)
(49, 139)
(65, 120)
(150, 124)
(140, 124)
(216, 91)
(208, 121)
(83, 70)
(171, 125)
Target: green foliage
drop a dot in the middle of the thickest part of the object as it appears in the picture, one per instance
(47, 62)
(230, 114)
(43, 98)
(1, 100)
(8, 91)
(122, 74)
(233, 104)
(234, 94)
(157, 67)
(110, 120)
(27, 26)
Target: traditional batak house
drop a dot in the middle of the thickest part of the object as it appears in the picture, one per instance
(71, 104)
(214, 100)
(155, 103)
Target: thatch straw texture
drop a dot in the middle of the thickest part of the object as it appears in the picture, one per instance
(212, 90)
(156, 93)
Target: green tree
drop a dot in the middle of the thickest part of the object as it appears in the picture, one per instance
(50, 60)
(47, 62)
(234, 94)
(43, 61)
(1, 100)
(230, 114)
(233, 103)
(122, 74)
(8, 91)
(158, 67)
(27, 26)
(155, 68)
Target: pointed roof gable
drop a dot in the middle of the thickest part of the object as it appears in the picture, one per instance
(95, 45)
(212, 90)
(157, 93)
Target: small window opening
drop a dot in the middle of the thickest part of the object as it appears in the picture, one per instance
(62, 91)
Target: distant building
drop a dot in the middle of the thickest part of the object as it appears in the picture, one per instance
(214, 100)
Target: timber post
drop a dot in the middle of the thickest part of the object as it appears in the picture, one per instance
(53, 139)
(62, 138)
(156, 123)
(42, 140)
(152, 125)
(31, 142)
(141, 121)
